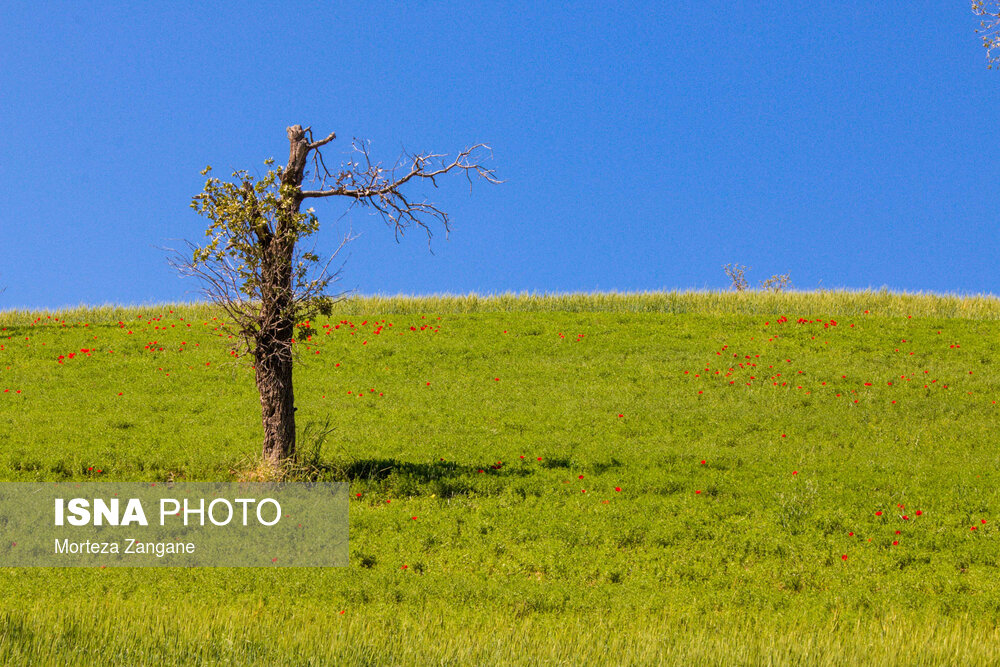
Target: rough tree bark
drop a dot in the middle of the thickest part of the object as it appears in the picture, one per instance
(273, 353)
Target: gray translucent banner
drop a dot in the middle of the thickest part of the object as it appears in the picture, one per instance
(133, 524)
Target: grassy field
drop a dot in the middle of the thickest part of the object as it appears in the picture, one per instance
(671, 477)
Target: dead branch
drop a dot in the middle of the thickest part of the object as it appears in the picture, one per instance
(370, 184)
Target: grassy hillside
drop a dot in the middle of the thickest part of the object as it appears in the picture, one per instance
(589, 478)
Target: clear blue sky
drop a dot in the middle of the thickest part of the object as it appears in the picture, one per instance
(643, 145)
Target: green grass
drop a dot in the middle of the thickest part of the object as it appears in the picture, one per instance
(737, 560)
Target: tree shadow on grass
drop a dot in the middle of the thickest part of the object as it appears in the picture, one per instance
(374, 470)
(392, 477)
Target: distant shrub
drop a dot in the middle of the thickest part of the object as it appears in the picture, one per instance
(777, 283)
(737, 276)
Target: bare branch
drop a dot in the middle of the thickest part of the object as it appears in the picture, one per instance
(370, 184)
(322, 142)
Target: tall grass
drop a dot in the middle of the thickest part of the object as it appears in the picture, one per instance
(269, 634)
(826, 302)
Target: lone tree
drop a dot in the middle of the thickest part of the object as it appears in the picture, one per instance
(254, 265)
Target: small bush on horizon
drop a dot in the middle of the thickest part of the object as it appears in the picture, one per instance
(737, 276)
(777, 283)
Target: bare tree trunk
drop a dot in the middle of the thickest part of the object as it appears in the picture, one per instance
(273, 367)
(273, 358)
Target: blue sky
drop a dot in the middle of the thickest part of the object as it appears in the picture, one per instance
(642, 145)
